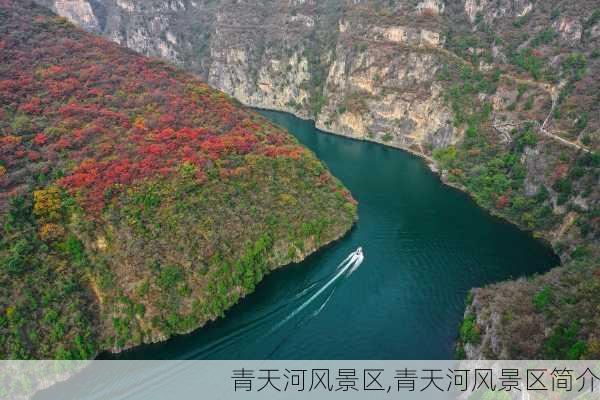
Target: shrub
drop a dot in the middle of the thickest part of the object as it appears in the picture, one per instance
(580, 252)
(564, 188)
(585, 140)
(521, 21)
(529, 62)
(575, 65)
(47, 204)
(521, 89)
(445, 156)
(74, 247)
(469, 331)
(593, 19)
(169, 277)
(542, 299)
(15, 263)
(581, 122)
(49, 232)
(563, 343)
(544, 37)
(469, 298)
(528, 138)
(471, 129)
(459, 352)
(22, 125)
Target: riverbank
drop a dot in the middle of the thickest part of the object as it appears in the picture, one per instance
(306, 253)
(303, 116)
(495, 334)
(429, 161)
(425, 246)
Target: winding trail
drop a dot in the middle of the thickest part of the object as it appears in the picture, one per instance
(548, 88)
(554, 95)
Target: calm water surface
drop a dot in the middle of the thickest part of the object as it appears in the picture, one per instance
(425, 246)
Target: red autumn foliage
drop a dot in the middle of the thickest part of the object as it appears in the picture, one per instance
(53, 71)
(40, 139)
(106, 117)
(32, 107)
(502, 201)
(537, 53)
(560, 172)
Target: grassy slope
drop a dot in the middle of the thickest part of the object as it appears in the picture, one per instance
(136, 201)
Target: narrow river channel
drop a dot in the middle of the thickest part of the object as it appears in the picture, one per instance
(425, 246)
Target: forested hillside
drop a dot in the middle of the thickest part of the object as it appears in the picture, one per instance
(136, 202)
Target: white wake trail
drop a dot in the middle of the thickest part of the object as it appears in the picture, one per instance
(351, 255)
(357, 261)
(317, 294)
(303, 292)
(324, 304)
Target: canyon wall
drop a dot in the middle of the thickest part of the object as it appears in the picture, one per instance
(339, 63)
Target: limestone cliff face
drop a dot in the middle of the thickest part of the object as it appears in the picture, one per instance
(304, 59)
(141, 26)
(385, 91)
(79, 11)
(328, 61)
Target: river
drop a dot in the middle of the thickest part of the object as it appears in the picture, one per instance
(425, 246)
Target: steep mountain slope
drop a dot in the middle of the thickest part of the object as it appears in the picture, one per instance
(553, 170)
(502, 96)
(136, 201)
(355, 71)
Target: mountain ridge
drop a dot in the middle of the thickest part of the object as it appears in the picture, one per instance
(137, 202)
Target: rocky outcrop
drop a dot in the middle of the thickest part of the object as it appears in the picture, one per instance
(79, 11)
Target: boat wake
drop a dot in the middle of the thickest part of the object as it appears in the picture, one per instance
(345, 268)
(306, 296)
(357, 261)
(353, 261)
(348, 267)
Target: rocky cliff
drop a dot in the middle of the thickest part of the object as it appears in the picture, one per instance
(354, 70)
(502, 96)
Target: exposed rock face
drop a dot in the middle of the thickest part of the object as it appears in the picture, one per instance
(297, 56)
(386, 92)
(78, 10)
(570, 29)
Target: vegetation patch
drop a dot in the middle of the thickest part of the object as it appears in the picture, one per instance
(136, 201)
